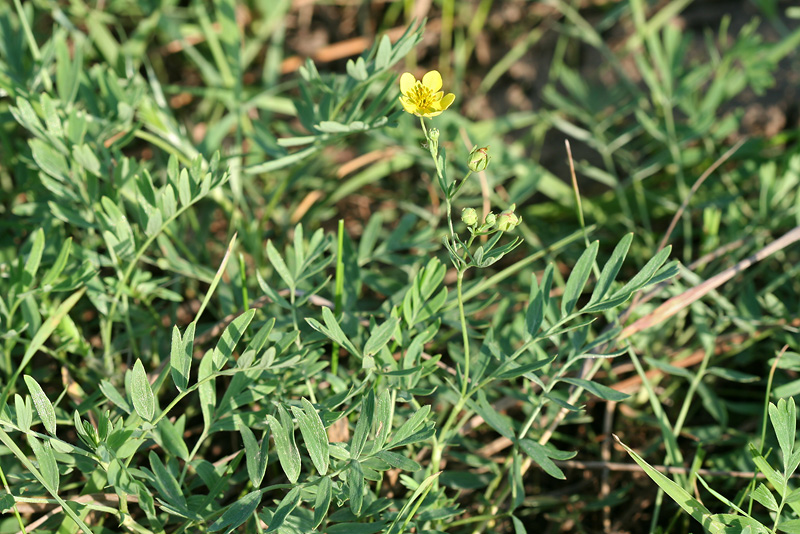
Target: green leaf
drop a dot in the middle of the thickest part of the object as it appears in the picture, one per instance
(611, 269)
(424, 433)
(168, 204)
(792, 526)
(43, 405)
(794, 496)
(284, 161)
(114, 396)
(578, 278)
(410, 426)
(515, 370)
(539, 454)
(398, 460)
(230, 337)
(383, 418)
(47, 463)
(407, 512)
(273, 295)
(492, 418)
(288, 455)
(362, 528)
(145, 186)
(279, 265)
(774, 478)
(684, 499)
(252, 452)
(238, 512)
(165, 482)
(519, 528)
(363, 426)
(643, 277)
(181, 356)
(732, 375)
(323, 500)
(380, 336)
(59, 265)
(141, 393)
(49, 160)
(85, 157)
(285, 507)
(67, 70)
(384, 52)
(355, 483)
(604, 392)
(765, 497)
(184, 188)
(7, 502)
(34, 257)
(173, 439)
(207, 390)
(333, 331)
(24, 412)
(534, 314)
(26, 115)
(314, 435)
(784, 421)
(154, 220)
(515, 481)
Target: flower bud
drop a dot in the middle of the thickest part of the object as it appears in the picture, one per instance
(491, 219)
(479, 159)
(469, 216)
(508, 220)
(433, 138)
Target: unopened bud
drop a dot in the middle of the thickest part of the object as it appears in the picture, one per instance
(433, 138)
(508, 220)
(469, 216)
(491, 219)
(479, 159)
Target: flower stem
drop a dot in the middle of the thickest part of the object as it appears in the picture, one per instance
(450, 223)
(464, 333)
(440, 442)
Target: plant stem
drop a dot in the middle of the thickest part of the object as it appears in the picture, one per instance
(450, 222)
(464, 332)
(440, 174)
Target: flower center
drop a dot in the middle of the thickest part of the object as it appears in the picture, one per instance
(421, 95)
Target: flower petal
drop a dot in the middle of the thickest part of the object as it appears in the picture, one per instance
(407, 81)
(432, 80)
(409, 106)
(447, 100)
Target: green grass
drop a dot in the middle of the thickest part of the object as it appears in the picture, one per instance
(236, 294)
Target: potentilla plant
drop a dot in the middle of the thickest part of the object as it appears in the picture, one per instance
(425, 99)
(482, 247)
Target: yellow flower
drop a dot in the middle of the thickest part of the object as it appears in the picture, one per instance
(423, 98)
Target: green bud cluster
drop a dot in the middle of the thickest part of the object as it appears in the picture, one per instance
(469, 216)
(479, 159)
(508, 220)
